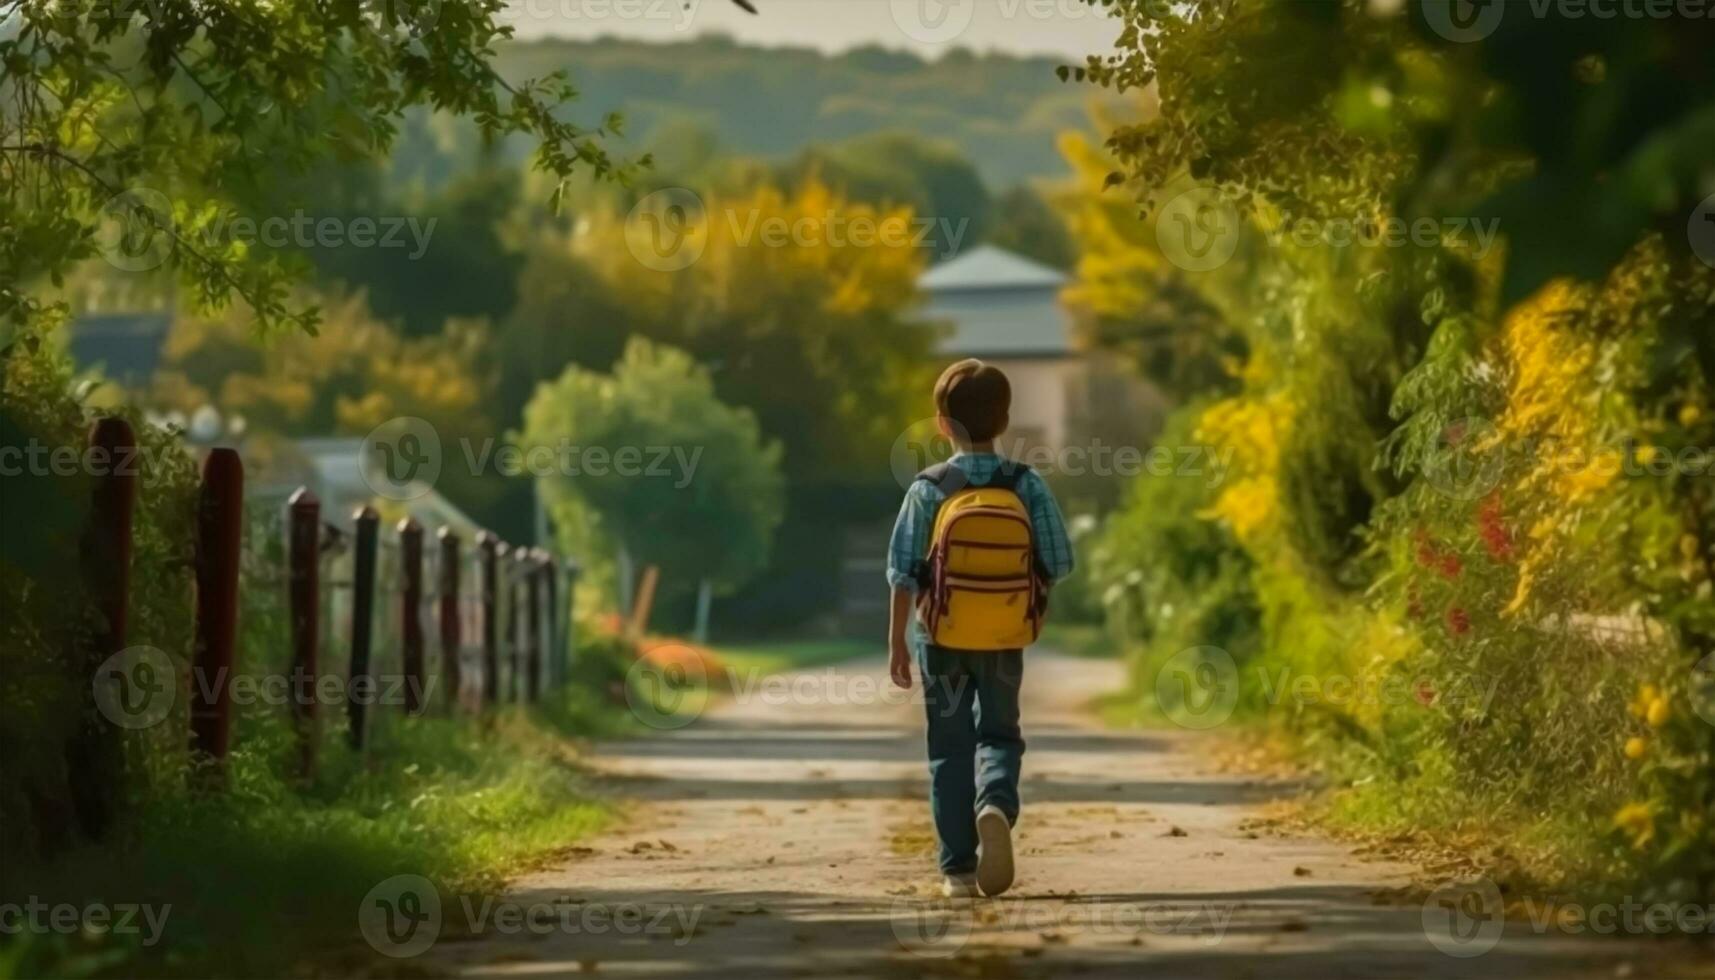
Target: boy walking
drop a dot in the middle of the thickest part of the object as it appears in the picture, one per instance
(978, 542)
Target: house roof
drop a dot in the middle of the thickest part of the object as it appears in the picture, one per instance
(999, 305)
(126, 346)
(989, 267)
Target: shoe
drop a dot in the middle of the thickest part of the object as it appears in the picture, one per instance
(994, 861)
(959, 886)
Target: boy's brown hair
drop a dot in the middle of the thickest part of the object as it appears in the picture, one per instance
(977, 397)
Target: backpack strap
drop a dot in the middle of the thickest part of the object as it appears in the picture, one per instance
(949, 479)
(1007, 475)
(945, 477)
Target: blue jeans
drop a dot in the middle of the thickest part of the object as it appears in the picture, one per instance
(975, 748)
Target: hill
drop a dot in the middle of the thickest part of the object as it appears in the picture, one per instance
(1000, 111)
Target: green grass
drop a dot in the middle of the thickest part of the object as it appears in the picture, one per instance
(775, 657)
(263, 876)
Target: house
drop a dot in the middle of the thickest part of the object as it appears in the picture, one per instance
(1071, 408)
(1005, 309)
(126, 347)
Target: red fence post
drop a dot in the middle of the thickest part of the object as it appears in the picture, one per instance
(303, 554)
(361, 684)
(452, 671)
(489, 547)
(220, 532)
(95, 755)
(411, 612)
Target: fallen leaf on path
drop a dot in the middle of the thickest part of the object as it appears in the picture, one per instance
(1301, 872)
(1176, 832)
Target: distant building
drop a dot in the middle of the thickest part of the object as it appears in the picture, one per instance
(332, 469)
(1068, 405)
(1006, 309)
(125, 347)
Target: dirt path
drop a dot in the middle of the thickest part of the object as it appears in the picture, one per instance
(785, 834)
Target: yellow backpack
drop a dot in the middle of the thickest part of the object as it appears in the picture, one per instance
(981, 588)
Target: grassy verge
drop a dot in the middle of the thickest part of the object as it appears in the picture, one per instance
(1421, 813)
(258, 878)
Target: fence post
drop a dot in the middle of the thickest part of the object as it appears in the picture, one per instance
(411, 612)
(95, 755)
(532, 569)
(520, 632)
(220, 530)
(551, 602)
(447, 600)
(509, 600)
(361, 684)
(303, 547)
(488, 546)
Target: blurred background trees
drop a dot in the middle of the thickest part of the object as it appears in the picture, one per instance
(1452, 461)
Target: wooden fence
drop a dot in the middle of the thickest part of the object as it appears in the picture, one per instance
(500, 613)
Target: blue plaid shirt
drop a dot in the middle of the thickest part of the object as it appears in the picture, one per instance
(910, 543)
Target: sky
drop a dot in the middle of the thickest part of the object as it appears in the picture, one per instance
(1068, 29)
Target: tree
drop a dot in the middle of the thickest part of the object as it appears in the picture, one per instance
(355, 374)
(1581, 134)
(649, 461)
(1441, 447)
(156, 114)
(1026, 223)
(894, 169)
(796, 300)
(465, 268)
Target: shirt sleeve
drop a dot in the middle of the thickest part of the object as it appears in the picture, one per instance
(1053, 544)
(910, 541)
